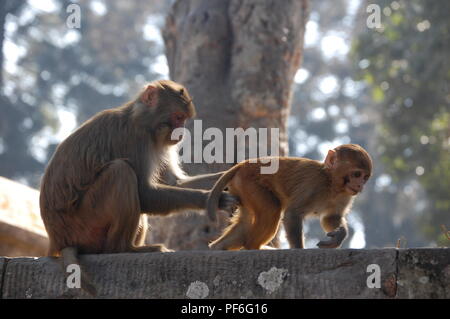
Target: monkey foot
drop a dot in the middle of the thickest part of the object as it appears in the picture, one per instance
(152, 248)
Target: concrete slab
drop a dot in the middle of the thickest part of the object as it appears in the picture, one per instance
(424, 273)
(309, 273)
(2, 268)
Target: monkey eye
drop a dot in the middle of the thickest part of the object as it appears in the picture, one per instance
(357, 174)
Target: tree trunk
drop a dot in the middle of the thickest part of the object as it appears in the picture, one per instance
(237, 59)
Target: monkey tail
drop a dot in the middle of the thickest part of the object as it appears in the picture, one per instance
(70, 256)
(213, 198)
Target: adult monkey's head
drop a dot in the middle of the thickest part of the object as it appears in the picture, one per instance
(162, 107)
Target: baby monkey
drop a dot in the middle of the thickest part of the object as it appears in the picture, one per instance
(301, 187)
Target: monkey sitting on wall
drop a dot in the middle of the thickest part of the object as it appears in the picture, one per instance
(299, 188)
(104, 177)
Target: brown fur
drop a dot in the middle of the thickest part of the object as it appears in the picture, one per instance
(105, 175)
(301, 187)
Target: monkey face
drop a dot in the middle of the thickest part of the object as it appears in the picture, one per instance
(164, 108)
(351, 167)
(354, 181)
(178, 119)
(175, 121)
(178, 108)
(349, 177)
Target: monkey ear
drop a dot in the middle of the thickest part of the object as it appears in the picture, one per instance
(330, 160)
(150, 96)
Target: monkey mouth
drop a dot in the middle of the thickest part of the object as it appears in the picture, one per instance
(353, 191)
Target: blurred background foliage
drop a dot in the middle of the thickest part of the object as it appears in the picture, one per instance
(406, 67)
(385, 88)
(55, 78)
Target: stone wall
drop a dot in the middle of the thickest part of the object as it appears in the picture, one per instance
(309, 273)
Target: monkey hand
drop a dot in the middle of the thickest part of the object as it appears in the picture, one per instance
(337, 236)
(227, 201)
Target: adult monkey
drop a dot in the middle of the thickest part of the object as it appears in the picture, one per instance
(104, 176)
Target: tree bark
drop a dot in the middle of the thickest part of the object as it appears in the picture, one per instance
(237, 59)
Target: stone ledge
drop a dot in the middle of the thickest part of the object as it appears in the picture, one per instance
(22, 232)
(309, 273)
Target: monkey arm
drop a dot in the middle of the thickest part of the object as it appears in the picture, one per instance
(205, 181)
(164, 199)
(336, 228)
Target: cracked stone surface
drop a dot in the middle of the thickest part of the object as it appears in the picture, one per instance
(424, 273)
(295, 273)
(311, 273)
